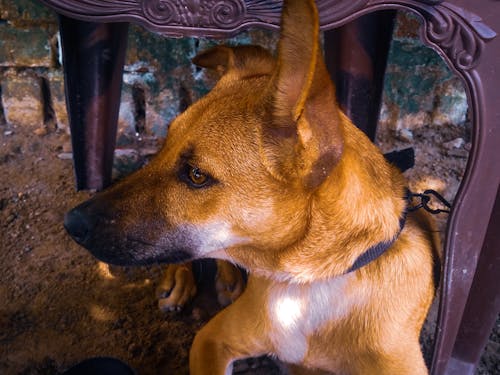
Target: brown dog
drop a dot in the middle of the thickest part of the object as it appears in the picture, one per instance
(266, 172)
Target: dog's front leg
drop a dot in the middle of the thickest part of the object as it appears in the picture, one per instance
(176, 287)
(229, 283)
(239, 331)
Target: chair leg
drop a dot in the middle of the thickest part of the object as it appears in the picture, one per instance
(93, 59)
(483, 304)
(356, 57)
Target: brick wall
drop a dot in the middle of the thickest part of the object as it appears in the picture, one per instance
(27, 56)
(159, 78)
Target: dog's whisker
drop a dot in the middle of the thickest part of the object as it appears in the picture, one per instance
(138, 240)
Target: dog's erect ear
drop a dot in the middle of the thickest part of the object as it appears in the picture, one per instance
(303, 139)
(243, 61)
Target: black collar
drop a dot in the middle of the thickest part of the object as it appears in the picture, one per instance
(378, 249)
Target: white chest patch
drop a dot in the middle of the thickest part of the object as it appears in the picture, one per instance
(297, 310)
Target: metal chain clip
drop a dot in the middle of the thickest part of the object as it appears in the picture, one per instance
(425, 199)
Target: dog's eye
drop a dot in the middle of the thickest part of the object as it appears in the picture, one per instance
(196, 177)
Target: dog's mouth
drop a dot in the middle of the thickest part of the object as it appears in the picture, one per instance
(118, 257)
(129, 251)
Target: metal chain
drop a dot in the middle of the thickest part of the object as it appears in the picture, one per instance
(425, 199)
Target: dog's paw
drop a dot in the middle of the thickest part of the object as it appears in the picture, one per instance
(176, 288)
(229, 283)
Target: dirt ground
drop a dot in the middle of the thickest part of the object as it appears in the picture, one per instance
(60, 306)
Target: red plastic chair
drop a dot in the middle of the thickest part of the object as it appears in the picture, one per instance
(461, 31)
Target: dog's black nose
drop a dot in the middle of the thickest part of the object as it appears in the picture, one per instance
(78, 225)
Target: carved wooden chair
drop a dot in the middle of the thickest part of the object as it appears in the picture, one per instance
(94, 36)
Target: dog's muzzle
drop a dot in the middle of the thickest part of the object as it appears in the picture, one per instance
(113, 236)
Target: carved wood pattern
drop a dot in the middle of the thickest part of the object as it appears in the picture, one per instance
(459, 34)
(210, 18)
(198, 14)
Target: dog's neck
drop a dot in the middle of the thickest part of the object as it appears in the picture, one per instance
(355, 212)
(375, 251)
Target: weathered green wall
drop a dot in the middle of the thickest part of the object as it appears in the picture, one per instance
(419, 87)
(158, 74)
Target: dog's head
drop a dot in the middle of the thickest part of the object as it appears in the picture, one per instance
(238, 168)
